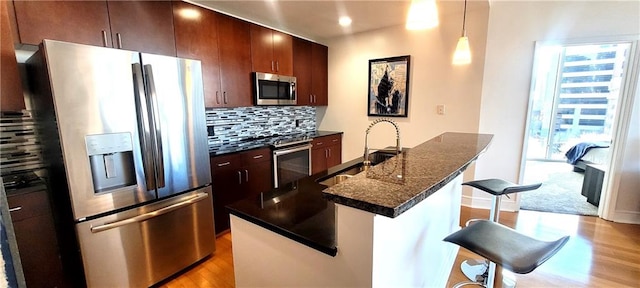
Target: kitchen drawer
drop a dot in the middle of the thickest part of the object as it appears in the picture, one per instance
(231, 161)
(256, 156)
(28, 205)
(326, 141)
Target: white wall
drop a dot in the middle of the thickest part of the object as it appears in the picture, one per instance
(433, 81)
(513, 28)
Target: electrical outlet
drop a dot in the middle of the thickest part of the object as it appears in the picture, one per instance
(298, 122)
(440, 109)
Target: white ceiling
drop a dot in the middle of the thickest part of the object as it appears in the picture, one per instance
(318, 20)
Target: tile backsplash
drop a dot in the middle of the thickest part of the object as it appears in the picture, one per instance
(20, 149)
(227, 125)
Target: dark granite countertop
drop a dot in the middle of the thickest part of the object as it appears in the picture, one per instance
(239, 146)
(304, 210)
(396, 185)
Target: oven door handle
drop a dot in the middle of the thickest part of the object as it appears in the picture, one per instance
(291, 150)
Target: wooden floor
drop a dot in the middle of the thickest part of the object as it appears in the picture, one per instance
(599, 254)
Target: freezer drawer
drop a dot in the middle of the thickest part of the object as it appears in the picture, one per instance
(143, 246)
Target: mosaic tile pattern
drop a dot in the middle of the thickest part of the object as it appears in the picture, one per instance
(20, 150)
(230, 125)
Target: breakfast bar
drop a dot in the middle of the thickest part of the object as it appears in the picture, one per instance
(359, 226)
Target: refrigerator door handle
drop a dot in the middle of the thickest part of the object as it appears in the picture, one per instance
(155, 118)
(152, 214)
(143, 126)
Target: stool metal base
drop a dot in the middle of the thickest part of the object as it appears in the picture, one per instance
(474, 269)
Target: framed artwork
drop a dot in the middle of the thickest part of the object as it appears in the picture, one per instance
(389, 86)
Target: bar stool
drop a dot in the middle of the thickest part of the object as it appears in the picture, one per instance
(473, 268)
(504, 247)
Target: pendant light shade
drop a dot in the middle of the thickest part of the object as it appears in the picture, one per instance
(423, 14)
(462, 55)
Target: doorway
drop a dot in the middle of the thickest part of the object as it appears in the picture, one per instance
(576, 91)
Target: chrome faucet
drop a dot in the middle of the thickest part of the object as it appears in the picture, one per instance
(366, 161)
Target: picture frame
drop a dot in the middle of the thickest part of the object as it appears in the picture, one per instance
(389, 86)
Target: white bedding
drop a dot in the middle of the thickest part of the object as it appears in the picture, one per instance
(596, 155)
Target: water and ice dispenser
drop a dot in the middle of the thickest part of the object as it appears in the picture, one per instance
(111, 159)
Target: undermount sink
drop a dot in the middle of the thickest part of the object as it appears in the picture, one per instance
(343, 175)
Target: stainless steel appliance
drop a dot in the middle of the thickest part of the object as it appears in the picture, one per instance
(126, 144)
(272, 89)
(291, 159)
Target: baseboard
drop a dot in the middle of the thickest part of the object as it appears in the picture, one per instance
(627, 217)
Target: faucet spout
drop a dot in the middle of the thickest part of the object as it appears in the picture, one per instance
(366, 161)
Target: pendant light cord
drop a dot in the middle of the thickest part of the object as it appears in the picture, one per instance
(464, 19)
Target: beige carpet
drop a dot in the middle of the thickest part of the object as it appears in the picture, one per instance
(560, 191)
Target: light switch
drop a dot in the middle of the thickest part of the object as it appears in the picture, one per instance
(440, 109)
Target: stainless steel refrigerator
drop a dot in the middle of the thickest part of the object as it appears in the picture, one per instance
(125, 138)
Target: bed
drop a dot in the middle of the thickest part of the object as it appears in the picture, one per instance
(585, 153)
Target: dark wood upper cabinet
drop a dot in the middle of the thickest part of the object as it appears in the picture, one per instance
(234, 44)
(196, 36)
(11, 97)
(271, 51)
(145, 26)
(310, 68)
(84, 22)
(319, 74)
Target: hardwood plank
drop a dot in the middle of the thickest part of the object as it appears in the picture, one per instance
(599, 253)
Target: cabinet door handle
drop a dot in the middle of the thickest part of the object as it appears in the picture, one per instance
(334, 140)
(239, 177)
(217, 97)
(326, 155)
(14, 209)
(258, 156)
(105, 42)
(272, 66)
(310, 98)
(329, 153)
(119, 40)
(277, 66)
(246, 175)
(224, 97)
(319, 143)
(223, 164)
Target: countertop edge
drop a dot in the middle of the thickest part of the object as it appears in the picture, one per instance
(331, 251)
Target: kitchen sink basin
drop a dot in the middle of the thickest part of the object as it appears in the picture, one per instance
(344, 175)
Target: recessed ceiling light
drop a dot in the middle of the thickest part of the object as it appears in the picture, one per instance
(345, 21)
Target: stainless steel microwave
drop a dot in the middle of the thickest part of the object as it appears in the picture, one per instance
(272, 89)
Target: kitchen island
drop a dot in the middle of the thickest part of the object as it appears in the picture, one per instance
(381, 227)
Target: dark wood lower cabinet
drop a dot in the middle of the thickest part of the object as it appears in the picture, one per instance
(237, 176)
(326, 152)
(36, 237)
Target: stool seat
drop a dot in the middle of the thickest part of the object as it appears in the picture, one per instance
(504, 246)
(500, 187)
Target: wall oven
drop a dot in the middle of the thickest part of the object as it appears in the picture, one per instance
(272, 89)
(291, 161)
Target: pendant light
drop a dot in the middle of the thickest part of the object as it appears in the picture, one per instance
(462, 56)
(423, 14)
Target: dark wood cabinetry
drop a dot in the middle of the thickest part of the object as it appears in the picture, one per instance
(326, 152)
(36, 237)
(310, 67)
(237, 176)
(145, 26)
(11, 97)
(196, 35)
(271, 51)
(234, 44)
(223, 46)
